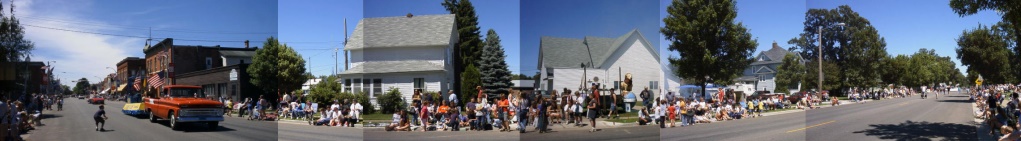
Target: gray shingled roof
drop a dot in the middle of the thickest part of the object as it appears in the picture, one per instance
(393, 66)
(563, 52)
(402, 31)
(774, 54)
(237, 53)
(570, 53)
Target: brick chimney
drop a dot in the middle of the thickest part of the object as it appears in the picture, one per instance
(246, 43)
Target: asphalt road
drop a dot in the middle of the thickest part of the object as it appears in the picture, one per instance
(912, 118)
(378, 134)
(75, 123)
(570, 133)
(296, 131)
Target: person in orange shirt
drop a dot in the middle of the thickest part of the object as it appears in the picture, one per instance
(671, 114)
(442, 111)
(504, 103)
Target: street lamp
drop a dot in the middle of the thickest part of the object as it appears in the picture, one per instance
(820, 54)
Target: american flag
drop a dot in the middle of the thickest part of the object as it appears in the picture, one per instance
(155, 81)
(138, 84)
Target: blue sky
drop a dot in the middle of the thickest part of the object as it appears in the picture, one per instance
(577, 19)
(909, 25)
(502, 16)
(65, 31)
(768, 21)
(315, 28)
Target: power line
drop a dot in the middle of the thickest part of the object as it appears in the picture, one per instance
(130, 36)
(140, 28)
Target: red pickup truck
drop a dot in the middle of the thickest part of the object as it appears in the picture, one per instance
(183, 104)
(96, 100)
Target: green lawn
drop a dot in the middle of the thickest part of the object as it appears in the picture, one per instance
(384, 117)
(626, 117)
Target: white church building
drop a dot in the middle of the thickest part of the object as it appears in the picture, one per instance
(561, 62)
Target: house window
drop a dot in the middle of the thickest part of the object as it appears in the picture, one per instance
(420, 84)
(347, 85)
(377, 87)
(616, 85)
(653, 85)
(209, 62)
(357, 86)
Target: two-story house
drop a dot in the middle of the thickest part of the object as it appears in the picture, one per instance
(406, 52)
(761, 74)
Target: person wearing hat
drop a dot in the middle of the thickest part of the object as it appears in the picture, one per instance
(100, 118)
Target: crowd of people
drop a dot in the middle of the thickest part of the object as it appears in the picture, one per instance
(18, 116)
(430, 112)
(340, 113)
(248, 108)
(1000, 116)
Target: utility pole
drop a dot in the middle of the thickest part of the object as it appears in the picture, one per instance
(345, 44)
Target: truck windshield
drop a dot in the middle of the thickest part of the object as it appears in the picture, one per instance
(183, 92)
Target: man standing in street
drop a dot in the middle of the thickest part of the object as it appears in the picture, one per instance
(100, 118)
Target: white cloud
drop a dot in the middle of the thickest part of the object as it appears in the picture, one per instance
(79, 54)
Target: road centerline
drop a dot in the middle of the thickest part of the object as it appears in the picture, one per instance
(820, 124)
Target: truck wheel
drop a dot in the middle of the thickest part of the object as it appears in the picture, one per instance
(173, 121)
(213, 125)
(152, 118)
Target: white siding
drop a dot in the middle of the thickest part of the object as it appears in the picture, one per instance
(633, 57)
(404, 82)
(571, 78)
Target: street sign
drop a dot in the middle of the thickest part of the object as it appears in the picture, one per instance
(979, 80)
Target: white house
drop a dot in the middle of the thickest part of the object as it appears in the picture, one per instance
(407, 52)
(762, 73)
(671, 82)
(307, 86)
(609, 59)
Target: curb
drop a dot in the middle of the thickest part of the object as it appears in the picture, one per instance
(981, 128)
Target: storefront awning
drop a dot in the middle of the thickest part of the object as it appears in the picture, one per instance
(121, 88)
(104, 91)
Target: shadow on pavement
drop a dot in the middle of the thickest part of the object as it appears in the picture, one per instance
(197, 127)
(46, 116)
(911, 130)
(957, 101)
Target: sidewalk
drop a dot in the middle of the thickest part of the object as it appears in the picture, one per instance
(298, 122)
(787, 111)
(982, 129)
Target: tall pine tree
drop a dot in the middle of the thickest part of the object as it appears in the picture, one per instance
(469, 44)
(13, 46)
(496, 78)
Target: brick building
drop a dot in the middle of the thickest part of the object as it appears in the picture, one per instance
(129, 69)
(206, 66)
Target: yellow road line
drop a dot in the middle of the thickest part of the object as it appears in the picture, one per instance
(903, 103)
(824, 123)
